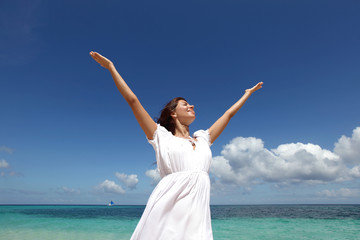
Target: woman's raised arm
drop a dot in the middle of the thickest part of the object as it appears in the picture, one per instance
(146, 122)
(216, 129)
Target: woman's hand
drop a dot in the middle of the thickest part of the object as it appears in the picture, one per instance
(255, 88)
(103, 61)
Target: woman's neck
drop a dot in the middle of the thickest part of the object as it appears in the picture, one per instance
(182, 130)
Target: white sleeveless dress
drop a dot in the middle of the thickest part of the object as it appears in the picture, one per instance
(179, 206)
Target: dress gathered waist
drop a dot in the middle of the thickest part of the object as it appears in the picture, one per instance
(187, 172)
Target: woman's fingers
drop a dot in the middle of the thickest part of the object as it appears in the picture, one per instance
(103, 61)
(93, 55)
(255, 88)
(99, 56)
(96, 56)
(258, 86)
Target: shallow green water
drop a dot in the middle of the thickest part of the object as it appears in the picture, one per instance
(296, 222)
(278, 228)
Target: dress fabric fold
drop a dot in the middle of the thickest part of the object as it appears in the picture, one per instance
(179, 206)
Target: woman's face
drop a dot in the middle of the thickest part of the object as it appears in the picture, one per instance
(184, 112)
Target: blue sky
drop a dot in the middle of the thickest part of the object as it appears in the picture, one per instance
(67, 136)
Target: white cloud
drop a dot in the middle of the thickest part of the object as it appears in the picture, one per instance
(4, 164)
(13, 174)
(343, 192)
(109, 187)
(349, 148)
(154, 175)
(129, 180)
(245, 162)
(6, 149)
(355, 172)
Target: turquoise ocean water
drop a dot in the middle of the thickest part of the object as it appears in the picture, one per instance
(42, 222)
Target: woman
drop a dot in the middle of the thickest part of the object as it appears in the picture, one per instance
(179, 207)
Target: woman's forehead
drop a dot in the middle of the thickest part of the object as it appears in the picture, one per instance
(183, 101)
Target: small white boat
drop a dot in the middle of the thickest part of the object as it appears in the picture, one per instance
(111, 203)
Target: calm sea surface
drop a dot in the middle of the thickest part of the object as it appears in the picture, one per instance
(263, 222)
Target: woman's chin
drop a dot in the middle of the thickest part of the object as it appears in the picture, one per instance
(192, 120)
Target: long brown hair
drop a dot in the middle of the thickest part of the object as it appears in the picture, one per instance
(165, 118)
